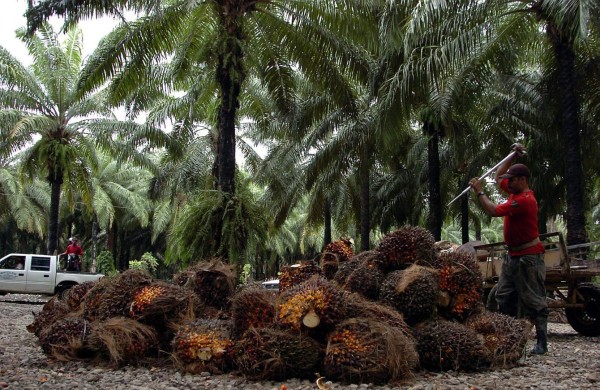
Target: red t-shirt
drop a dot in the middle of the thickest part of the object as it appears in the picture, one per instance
(520, 220)
(74, 248)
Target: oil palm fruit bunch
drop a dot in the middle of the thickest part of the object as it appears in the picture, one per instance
(505, 336)
(315, 305)
(367, 350)
(277, 354)
(413, 292)
(345, 269)
(252, 307)
(161, 302)
(124, 341)
(366, 279)
(405, 246)
(143, 298)
(203, 345)
(117, 295)
(55, 299)
(53, 310)
(360, 307)
(66, 339)
(445, 345)
(334, 254)
(293, 275)
(93, 299)
(461, 281)
(212, 280)
(74, 296)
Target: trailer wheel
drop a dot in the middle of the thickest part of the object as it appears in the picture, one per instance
(490, 303)
(586, 320)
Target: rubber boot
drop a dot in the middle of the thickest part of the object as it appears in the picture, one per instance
(541, 333)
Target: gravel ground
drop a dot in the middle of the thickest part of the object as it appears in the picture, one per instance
(573, 362)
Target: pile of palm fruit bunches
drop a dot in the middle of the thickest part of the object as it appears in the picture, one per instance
(375, 317)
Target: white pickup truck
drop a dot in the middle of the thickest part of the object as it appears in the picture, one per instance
(39, 274)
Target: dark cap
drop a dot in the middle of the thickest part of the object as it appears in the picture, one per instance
(516, 170)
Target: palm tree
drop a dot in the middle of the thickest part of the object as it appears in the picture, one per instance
(19, 210)
(226, 38)
(118, 189)
(515, 23)
(443, 93)
(44, 111)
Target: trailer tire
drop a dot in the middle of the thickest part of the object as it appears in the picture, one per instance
(586, 320)
(490, 303)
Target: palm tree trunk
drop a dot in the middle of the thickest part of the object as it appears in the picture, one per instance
(434, 220)
(464, 213)
(230, 76)
(327, 217)
(478, 231)
(53, 223)
(111, 243)
(365, 210)
(94, 243)
(543, 220)
(565, 58)
(122, 251)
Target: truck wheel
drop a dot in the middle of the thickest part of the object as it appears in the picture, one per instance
(491, 304)
(586, 320)
(61, 292)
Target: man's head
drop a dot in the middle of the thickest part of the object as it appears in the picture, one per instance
(74, 240)
(517, 176)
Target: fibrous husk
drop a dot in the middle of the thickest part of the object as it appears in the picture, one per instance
(213, 281)
(66, 339)
(277, 354)
(460, 279)
(124, 341)
(445, 345)
(252, 307)
(360, 307)
(405, 246)
(334, 254)
(74, 296)
(52, 311)
(367, 350)
(366, 279)
(161, 302)
(112, 297)
(293, 275)
(505, 336)
(413, 292)
(203, 345)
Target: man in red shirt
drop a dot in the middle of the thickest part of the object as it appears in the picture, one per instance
(75, 249)
(521, 291)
